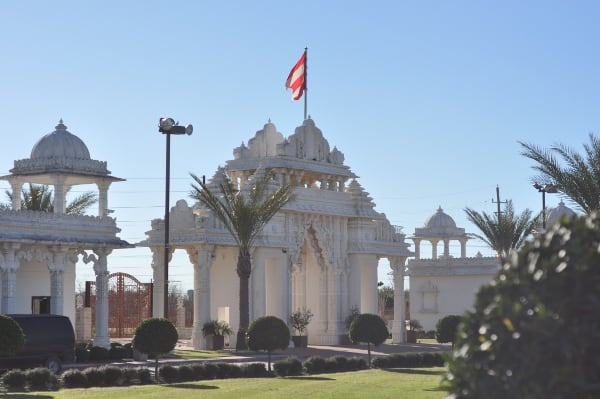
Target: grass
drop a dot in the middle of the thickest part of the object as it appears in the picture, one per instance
(374, 383)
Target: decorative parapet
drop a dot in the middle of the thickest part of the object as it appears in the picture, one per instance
(453, 266)
(43, 165)
(52, 227)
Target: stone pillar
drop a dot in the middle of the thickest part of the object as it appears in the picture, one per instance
(399, 325)
(56, 266)
(158, 278)
(103, 197)
(101, 336)
(202, 257)
(322, 322)
(334, 310)
(463, 248)
(446, 248)
(60, 191)
(9, 263)
(417, 242)
(16, 186)
(434, 244)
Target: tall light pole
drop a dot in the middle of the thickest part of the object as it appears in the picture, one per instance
(168, 126)
(545, 188)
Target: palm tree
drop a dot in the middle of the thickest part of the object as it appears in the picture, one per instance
(578, 179)
(39, 198)
(505, 232)
(244, 213)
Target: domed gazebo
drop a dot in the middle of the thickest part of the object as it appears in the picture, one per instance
(558, 213)
(39, 250)
(440, 227)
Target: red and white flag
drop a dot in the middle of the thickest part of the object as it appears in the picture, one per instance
(296, 78)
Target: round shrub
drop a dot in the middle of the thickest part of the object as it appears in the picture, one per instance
(95, 376)
(255, 370)
(357, 363)
(74, 378)
(268, 333)
(12, 335)
(129, 376)
(15, 380)
(168, 373)
(82, 355)
(155, 336)
(534, 331)
(144, 375)
(290, 366)
(314, 365)
(128, 351)
(186, 373)
(369, 328)
(117, 351)
(99, 353)
(113, 375)
(41, 378)
(445, 329)
(210, 371)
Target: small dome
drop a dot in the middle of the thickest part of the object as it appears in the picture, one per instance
(558, 213)
(440, 220)
(60, 144)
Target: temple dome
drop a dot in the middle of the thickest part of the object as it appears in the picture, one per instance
(60, 144)
(440, 220)
(558, 213)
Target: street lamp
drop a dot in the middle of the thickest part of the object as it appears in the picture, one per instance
(545, 188)
(168, 126)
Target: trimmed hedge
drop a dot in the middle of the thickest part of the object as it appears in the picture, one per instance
(287, 367)
(412, 360)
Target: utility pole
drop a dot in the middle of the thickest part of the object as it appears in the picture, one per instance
(499, 213)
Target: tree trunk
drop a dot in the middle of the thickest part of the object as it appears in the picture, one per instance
(244, 266)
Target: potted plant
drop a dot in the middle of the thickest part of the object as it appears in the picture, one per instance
(218, 329)
(411, 334)
(299, 321)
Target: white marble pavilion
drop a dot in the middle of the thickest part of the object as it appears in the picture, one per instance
(320, 252)
(39, 250)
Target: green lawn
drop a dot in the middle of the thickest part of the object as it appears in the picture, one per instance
(374, 383)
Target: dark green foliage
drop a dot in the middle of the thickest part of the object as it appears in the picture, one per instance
(228, 370)
(14, 380)
(155, 336)
(314, 365)
(356, 363)
(82, 354)
(369, 328)
(117, 351)
(186, 373)
(128, 347)
(113, 376)
(199, 371)
(289, 366)
(144, 375)
(99, 353)
(74, 378)
(535, 331)
(12, 335)
(412, 360)
(446, 327)
(168, 373)
(129, 376)
(95, 376)
(254, 370)
(268, 333)
(210, 371)
(40, 379)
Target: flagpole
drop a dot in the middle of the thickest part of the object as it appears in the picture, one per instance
(305, 80)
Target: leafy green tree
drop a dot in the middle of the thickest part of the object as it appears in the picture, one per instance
(369, 328)
(39, 198)
(155, 337)
(12, 336)
(505, 232)
(244, 211)
(575, 175)
(445, 329)
(268, 333)
(534, 332)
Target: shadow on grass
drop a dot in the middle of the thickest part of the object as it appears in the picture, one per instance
(306, 378)
(16, 395)
(192, 386)
(415, 371)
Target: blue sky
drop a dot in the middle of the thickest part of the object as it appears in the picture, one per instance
(427, 100)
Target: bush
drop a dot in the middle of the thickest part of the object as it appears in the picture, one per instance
(14, 380)
(210, 371)
(144, 375)
(128, 351)
(117, 351)
(445, 329)
(129, 376)
(99, 353)
(228, 370)
(289, 366)
(314, 365)
(12, 335)
(168, 373)
(155, 337)
(268, 333)
(534, 331)
(186, 373)
(82, 355)
(416, 359)
(113, 376)
(369, 328)
(95, 376)
(74, 378)
(357, 363)
(254, 370)
(41, 378)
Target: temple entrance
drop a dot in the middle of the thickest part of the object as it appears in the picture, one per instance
(129, 303)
